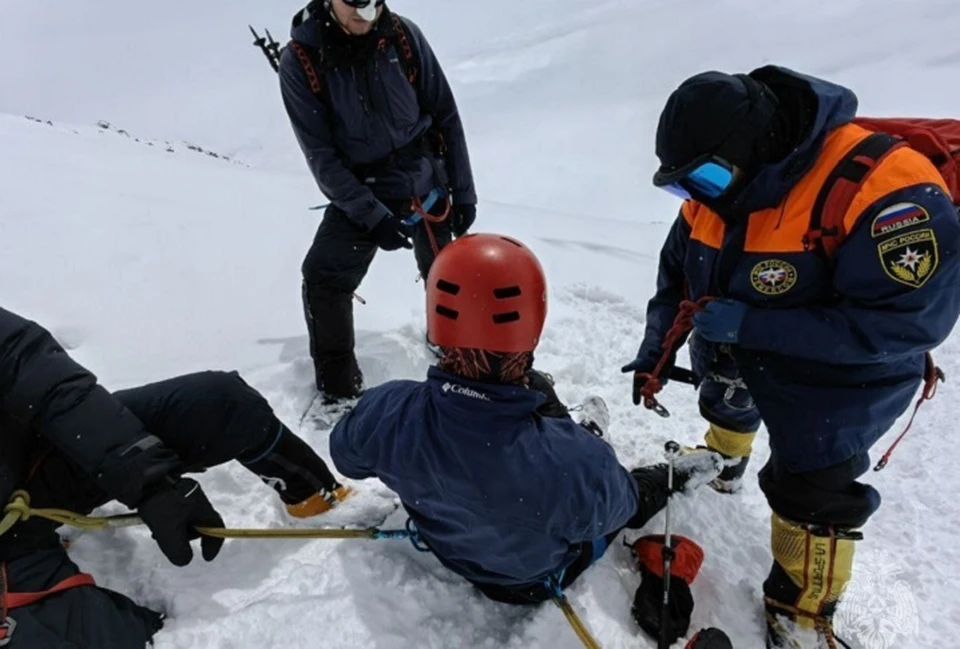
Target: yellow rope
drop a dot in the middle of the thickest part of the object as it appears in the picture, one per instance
(576, 623)
(18, 509)
(228, 533)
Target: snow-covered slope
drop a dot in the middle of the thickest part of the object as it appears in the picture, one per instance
(148, 263)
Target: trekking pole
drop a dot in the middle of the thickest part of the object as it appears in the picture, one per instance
(672, 449)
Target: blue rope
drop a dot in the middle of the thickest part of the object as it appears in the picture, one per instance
(553, 583)
(409, 532)
(415, 537)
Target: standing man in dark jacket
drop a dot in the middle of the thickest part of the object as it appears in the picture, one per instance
(72, 445)
(378, 124)
(504, 486)
(826, 349)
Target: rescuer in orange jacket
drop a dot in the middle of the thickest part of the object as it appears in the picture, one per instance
(826, 349)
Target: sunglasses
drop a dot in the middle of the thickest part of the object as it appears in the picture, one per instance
(704, 178)
(360, 4)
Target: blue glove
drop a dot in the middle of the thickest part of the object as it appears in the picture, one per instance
(720, 321)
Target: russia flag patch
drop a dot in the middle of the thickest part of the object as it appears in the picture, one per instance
(898, 217)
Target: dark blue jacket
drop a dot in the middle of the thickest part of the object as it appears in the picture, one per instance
(833, 352)
(368, 113)
(500, 494)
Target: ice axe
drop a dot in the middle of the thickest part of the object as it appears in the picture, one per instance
(269, 47)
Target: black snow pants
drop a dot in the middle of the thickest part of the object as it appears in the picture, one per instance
(208, 419)
(333, 269)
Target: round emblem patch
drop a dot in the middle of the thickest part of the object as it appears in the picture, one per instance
(773, 277)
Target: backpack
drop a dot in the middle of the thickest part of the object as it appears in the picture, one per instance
(313, 66)
(937, 139)
(272, 51)
(400, 37)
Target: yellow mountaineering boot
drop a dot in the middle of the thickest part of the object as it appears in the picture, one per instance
(812, 567)
(735, 447)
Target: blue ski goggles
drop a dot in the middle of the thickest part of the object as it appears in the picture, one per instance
(708, 178)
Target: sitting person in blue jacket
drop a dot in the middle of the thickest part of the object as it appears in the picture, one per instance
(504, 487)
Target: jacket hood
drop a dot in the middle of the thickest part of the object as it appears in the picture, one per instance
(307, 23)
(835, 106)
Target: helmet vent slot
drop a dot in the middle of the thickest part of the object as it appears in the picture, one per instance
(448, 287)
(504, 318)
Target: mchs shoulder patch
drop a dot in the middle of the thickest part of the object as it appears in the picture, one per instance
(898, 217)
(910, 258)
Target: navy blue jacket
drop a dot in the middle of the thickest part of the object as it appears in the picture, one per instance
(500, 494)
(47, 398)
(832, 353)
(368, 113)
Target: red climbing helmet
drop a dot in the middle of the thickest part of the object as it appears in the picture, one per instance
(486, 291)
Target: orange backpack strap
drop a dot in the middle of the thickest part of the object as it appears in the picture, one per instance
(826, 231)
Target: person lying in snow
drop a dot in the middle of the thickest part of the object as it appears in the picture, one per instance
(72, 445)
(503, 485)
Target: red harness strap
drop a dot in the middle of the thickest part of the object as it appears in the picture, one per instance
(417, 206)
(10, 601)
(932, 376)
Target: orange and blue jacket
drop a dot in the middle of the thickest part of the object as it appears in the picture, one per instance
(833, 349)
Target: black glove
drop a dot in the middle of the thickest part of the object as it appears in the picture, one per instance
(552, 407)
(461, 218)
(642, 367)
(390, 233)
(710, 639)
(172, 513)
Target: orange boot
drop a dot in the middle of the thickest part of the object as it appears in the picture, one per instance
(320, 502)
